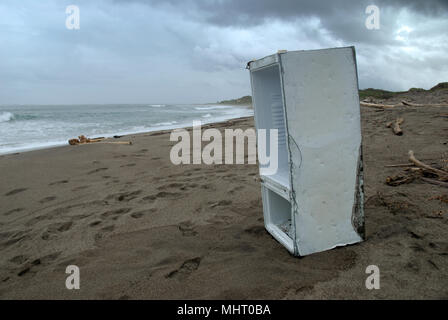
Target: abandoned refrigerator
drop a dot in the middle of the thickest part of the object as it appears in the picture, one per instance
(314, 200)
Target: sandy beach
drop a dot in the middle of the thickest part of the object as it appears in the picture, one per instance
(139, 227)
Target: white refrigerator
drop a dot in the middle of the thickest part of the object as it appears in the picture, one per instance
(314, 200)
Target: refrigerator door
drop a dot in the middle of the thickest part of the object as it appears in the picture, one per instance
(320, 90)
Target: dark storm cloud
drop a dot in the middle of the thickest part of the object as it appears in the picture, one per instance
(343, 19)
(247, 12)
(180, 51)
(342, 16)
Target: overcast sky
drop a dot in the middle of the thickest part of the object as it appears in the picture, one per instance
(181, 51)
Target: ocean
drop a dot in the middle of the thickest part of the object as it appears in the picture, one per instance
(28, 127)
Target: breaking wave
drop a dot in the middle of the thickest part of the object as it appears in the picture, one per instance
(212, 108)
(6, 116)
(169, 123)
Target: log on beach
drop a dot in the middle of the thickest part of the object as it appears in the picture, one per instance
(395, 125)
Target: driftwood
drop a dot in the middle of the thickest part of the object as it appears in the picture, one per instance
(403, 103)
(410, 104)
(443, 175)
(435, 181)
(397, 180)
(73, 142)
(396, 126)
(399, 165)
(414, 169)
(82, 140)
(441, 198)
(115, 142)
(418, 170)
(397, 130)
(376, 105)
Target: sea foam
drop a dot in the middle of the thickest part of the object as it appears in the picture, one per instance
(27, 127)
(6, 116)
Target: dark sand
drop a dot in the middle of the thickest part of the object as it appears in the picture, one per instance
(141, 228)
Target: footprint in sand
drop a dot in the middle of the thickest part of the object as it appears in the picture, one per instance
(129, 195)
(54, 229)
(124, 196)
(171, 185)
(413, 266)
(47, 199)
(12, 241)
(15, 191)
(180, 186)
(163, 194)
(237, 188)
(187, 229)
(137, 215)
(42, 261)
(221, 203)
(97, 170)
(169, 195)
(64, 226)
(221, 219)
(185, 269)
(58, 182)
(140, 214)
(108, 228)
(13, 237)
(20, 259)
(149, 198)
(80, 188)
(114, 214)
(206, 186)
(95, 223)
(128, 165)
(415, 235)
(13, 211)
(23, 271)
(257, 231)
(36, 219)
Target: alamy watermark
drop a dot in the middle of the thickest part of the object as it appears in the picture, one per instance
(373, 20)
(72, 22)
(373, 280)
(212, 153)
(73, 280)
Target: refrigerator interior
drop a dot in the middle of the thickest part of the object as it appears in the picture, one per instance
(269, 114)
